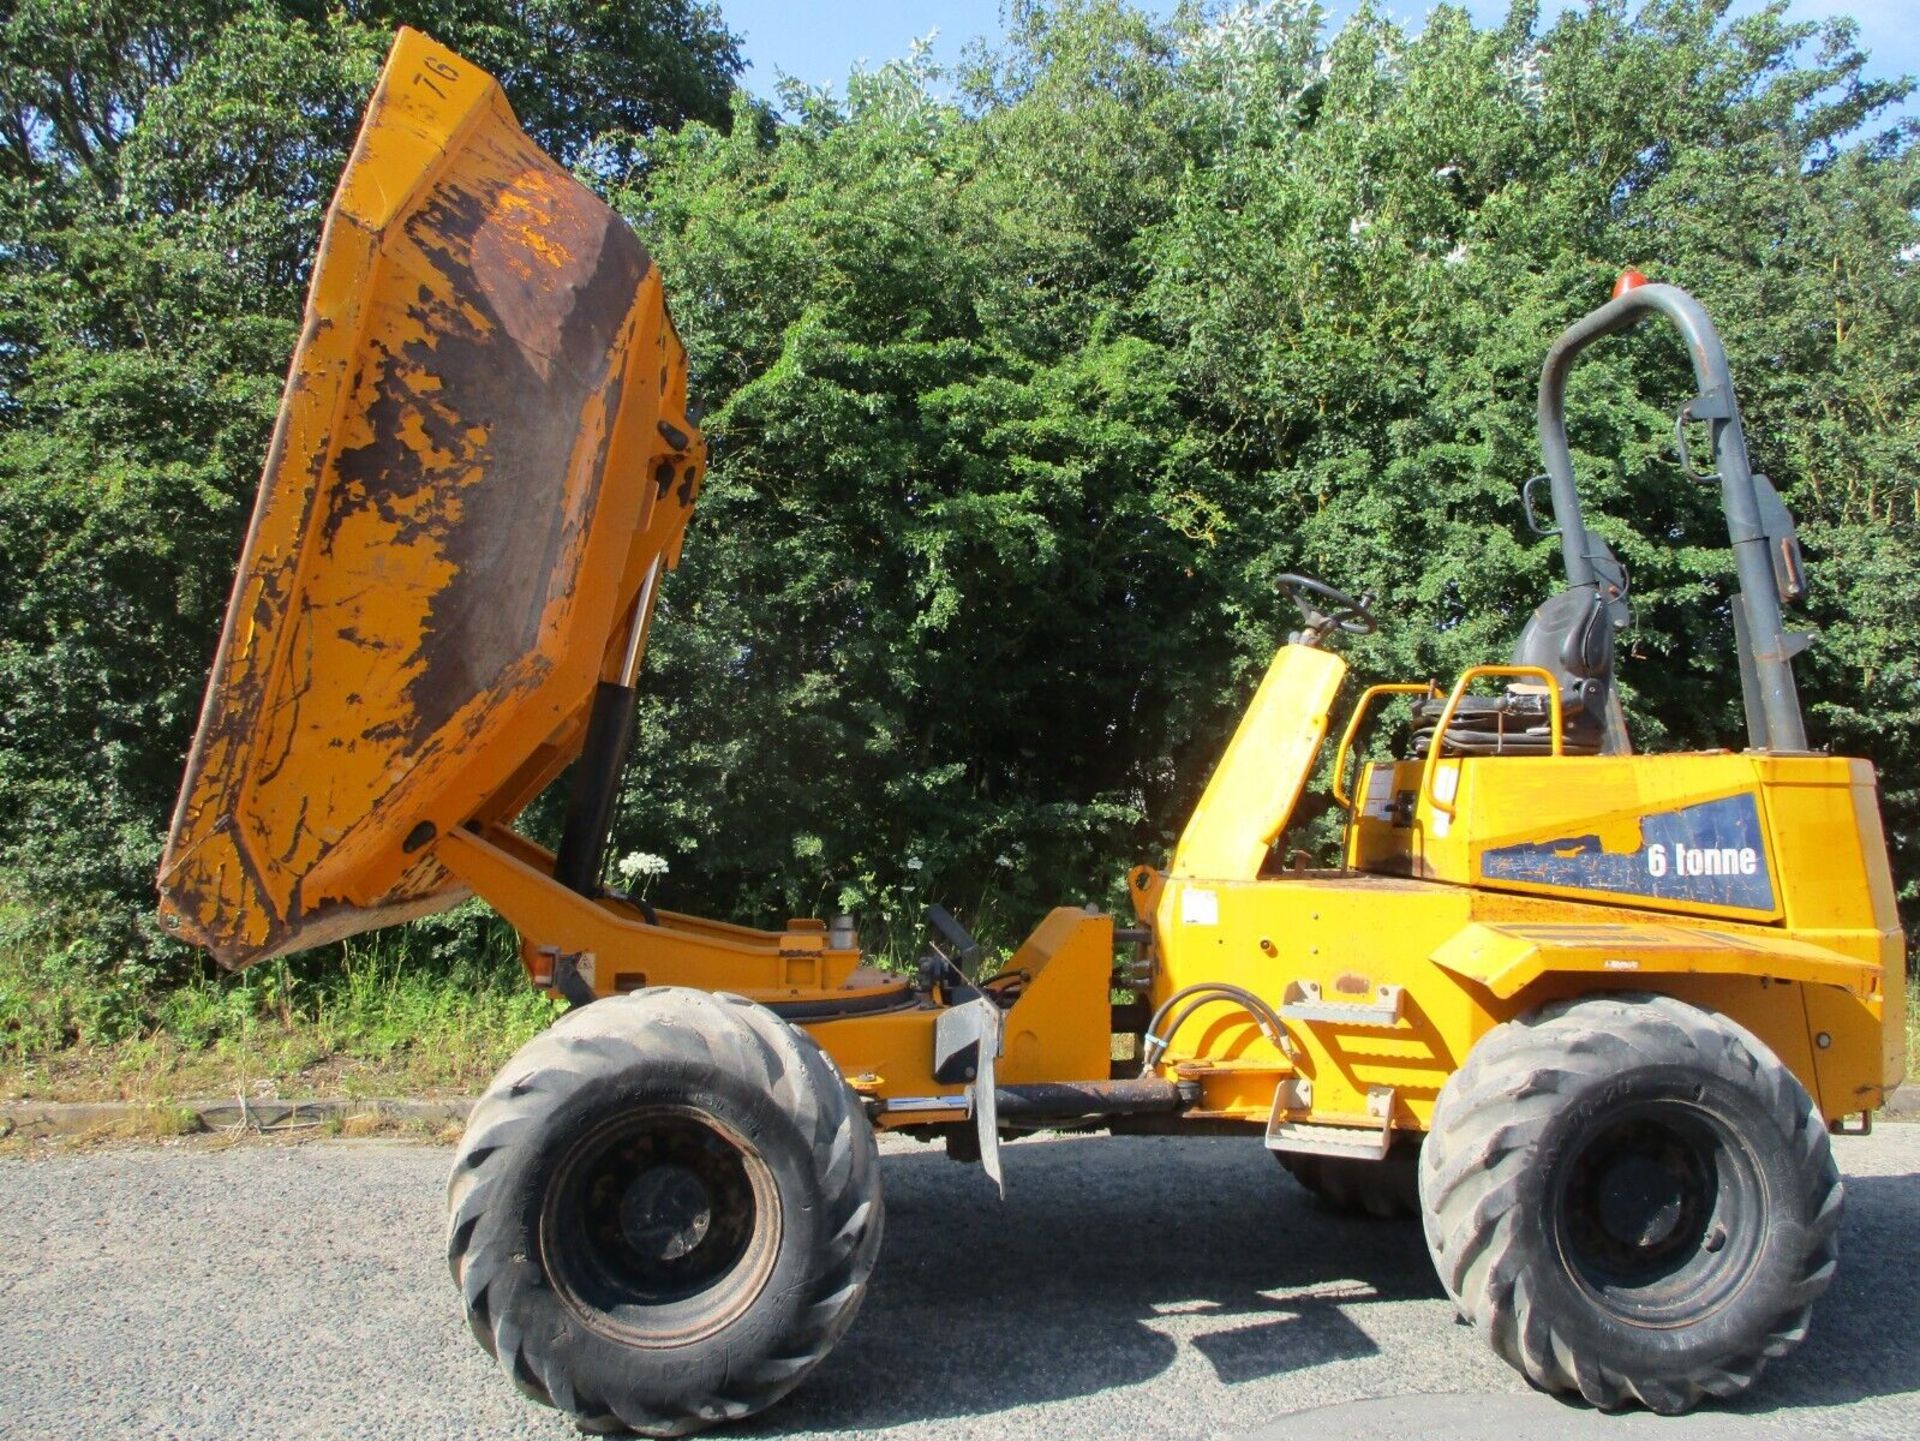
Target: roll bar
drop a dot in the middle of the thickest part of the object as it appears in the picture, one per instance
(1766, 649)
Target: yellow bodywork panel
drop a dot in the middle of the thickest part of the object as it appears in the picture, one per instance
(482, 449)
(1506, 959)
(1709, 833)
(1463, 960)
(1791, 843)
(1478, 889)
(1060, 1028)
(1253, 790)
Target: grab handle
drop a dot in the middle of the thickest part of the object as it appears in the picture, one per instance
(1467, 677)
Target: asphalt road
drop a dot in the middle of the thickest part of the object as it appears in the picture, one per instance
(1126, 1288)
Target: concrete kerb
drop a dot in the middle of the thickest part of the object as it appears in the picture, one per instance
(78, 1118)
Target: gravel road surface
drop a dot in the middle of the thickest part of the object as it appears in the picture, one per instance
(1140, 1287)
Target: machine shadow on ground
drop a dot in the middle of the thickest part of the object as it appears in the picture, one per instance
(980, 1307)
(1862, 1340)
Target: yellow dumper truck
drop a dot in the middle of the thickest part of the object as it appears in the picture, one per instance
(1591, 1014)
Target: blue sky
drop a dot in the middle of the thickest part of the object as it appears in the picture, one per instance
(819, 41)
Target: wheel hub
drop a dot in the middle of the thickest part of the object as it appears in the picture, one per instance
(666, 1212)
(661, 1223)
(1647, 1205)
(1640, 1201)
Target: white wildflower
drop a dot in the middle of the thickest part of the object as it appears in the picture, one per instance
(914, 863)
(635, 864)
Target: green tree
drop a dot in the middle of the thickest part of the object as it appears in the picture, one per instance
(1020, 392)
(913, 649)
(1365, 278)
(163, 174)
(1019, 403)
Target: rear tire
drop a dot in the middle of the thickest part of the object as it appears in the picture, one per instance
(1633, 1199)
(1383, 1190)
(664, 1212)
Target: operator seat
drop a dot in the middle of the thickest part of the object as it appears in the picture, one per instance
(1571, 636)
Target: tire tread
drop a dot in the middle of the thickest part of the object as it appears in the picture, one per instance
(695, 1030)
(1484, 1125)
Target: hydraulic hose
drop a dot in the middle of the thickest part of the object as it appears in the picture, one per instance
(1203, 993)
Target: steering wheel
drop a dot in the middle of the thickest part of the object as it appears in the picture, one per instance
(1348, 615)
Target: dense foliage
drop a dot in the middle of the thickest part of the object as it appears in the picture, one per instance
(1021, 401)
(1022, 385)
(164, 169)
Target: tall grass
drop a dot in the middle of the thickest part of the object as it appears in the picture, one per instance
(437, 1005)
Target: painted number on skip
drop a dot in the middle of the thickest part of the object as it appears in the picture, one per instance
(435, 66)
(1703, 860)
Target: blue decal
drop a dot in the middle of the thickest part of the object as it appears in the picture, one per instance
(1711, 853)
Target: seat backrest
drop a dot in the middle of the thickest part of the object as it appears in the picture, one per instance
(1572, 636)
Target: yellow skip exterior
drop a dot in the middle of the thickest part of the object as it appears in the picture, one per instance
(482, 449)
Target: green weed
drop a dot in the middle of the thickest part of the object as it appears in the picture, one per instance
(438, 1005)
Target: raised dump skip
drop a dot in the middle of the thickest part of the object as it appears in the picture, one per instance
(481, 454)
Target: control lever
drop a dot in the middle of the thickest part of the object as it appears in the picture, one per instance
(967, 952)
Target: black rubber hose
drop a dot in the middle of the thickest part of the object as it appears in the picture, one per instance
(1196, 1003)
(1165, 1042)
(1252, 1002)
(1205, 993)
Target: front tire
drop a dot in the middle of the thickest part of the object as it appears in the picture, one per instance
(664, 1212)
(1633, 1199)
